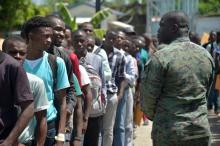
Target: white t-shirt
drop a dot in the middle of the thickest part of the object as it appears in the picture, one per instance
(84, 76)
(40, 103)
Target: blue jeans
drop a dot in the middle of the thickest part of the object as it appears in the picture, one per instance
(50, 139)
(213, 99)
(119, 128)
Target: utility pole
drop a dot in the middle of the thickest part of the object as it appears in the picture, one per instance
(98, 5)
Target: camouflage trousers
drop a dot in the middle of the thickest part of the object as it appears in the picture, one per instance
(204, 141)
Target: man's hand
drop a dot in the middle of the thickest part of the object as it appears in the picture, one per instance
(76, 143)
(119, 97)
(85, 124)
(59, 143)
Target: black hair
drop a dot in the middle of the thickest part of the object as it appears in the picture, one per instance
(68, 27)
(33, 24)
(11, 38)
(51, 18)
(111, 33)
(76, 33)
(84, 23)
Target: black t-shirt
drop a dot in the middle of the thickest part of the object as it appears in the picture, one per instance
(14, 89)
(70, 98)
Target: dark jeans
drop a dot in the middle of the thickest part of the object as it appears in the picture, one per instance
(91, 137)
(51, 133)
(213, 99)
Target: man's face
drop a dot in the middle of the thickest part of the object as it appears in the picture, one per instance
(109, 41)
(125, 45)
(88, 28)
(119, 40)
(68, 36)
(17, 50)
(213, 37)
(79, 44)
(164, 32)
(90, 44)
(58, 32)
(41, 38)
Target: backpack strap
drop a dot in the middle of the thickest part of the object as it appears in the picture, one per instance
(97, 50)
(52, 59)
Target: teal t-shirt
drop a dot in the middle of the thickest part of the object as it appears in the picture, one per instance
(144, 57)
(77, 88)
(42, 70)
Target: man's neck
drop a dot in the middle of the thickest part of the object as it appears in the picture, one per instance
(50, 49)
(33, 54)
(109, 50)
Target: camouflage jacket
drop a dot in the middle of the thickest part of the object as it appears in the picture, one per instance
(174, 89)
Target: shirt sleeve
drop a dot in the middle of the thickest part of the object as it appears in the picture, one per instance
(107, 70)
(151, 86)
(22, 91)
(75, 64)
(40, 96)
(62, 78)
(130, 72)
(102, 75)
(77, 88)
(84, 76)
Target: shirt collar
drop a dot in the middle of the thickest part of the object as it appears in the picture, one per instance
(95, 48)
(181, 39)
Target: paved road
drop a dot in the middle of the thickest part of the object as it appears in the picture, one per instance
(143, 137)
(215, 128)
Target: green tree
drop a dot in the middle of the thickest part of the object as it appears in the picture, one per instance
(209, 7)
(96, 19)
(14, 13)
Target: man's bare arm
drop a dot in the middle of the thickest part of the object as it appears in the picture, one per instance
(27, 113)
(41, 117)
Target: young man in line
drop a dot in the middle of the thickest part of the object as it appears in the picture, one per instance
(38, 33)
(17, 48)
(14, 91)
(94, 121)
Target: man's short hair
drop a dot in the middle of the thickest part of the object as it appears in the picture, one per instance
(81, 25)
(33, 24)
(11, 38)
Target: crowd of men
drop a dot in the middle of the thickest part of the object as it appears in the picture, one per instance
(59, 87)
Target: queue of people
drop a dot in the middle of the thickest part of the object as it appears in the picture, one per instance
(59, 87)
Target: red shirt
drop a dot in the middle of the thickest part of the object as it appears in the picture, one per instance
(75, 63)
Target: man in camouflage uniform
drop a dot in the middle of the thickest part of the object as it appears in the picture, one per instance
(175, 85)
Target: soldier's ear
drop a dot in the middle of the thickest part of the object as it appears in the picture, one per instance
(174, 28)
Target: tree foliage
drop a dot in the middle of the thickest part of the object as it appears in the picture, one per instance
(13, 13)
(209, 7)
(100, 16)
(96, 19)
